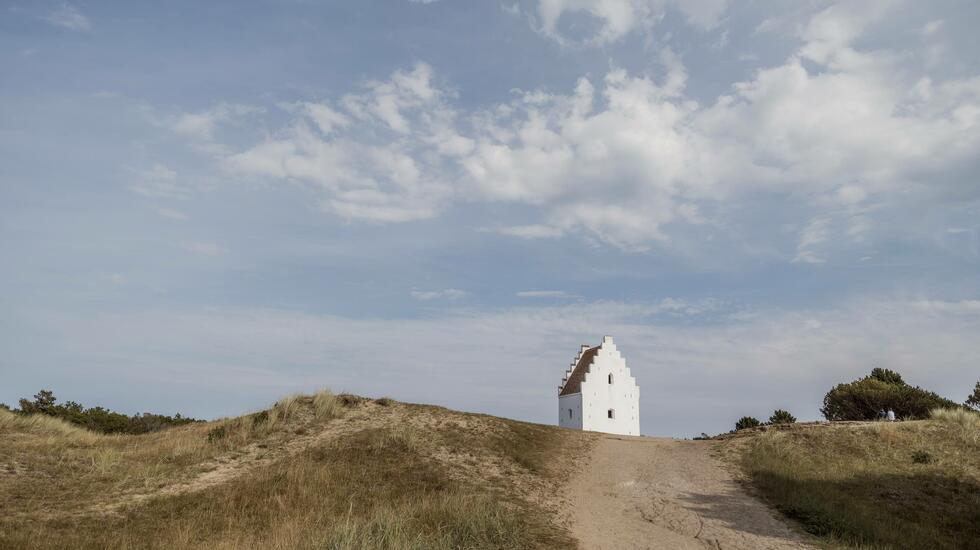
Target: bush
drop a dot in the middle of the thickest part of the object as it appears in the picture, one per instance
(98, 419)
(217, 433)
(921, 457)
(747, 422)
(887, 376)
(779, 416)
(974, 400)
(882, 390)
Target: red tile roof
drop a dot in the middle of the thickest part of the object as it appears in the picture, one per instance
(574, 382)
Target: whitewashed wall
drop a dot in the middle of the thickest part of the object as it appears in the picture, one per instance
(570, 411)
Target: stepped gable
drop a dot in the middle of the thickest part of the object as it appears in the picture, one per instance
(573, 380)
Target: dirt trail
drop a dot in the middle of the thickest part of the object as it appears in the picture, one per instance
(658, 493)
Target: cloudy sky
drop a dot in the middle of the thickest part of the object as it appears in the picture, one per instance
(206, 206)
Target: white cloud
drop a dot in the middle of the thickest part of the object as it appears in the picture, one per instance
(449, 294)
(381, 157)
(622, 159)
(512, 9)
(618, 18)
(814, 234)
(68, 17)
(201, 125)
(159, 182)
(544, 294)
(932, 27)
(832, 133)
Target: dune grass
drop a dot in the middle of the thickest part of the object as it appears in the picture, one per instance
(908, 485)
(376, 487)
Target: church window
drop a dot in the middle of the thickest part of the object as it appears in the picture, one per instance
(569, 413)
(610, 378)
(611, 413)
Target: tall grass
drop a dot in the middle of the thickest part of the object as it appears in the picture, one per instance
(40, 424)
(326, 405)
(962, 422)
(374, 489)
(77, 467)
(909, 485)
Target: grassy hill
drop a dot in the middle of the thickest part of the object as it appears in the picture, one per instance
(320, 471)
(870, 485)
(329, 471)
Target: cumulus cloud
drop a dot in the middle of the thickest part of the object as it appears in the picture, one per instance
(379, 155)
(68, 17)
(835, 134)
(833, 130)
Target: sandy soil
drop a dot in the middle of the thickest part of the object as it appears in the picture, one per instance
(653, 493)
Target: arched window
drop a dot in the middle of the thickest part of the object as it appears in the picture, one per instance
(569, 413)
(610, 378)
(611, 413)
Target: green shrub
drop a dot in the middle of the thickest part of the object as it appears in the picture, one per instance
(99, 419)
(974, 400)
(747, 422)
(384, 401)
(882, 390)
(779, 416)
(887, 376)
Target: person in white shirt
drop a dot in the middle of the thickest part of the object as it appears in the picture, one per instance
(891, 415)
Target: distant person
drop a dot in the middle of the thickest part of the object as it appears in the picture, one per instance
(891, 415)
(882, 414)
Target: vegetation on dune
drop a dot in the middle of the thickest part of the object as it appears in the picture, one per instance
(882, 390)
(973, 401)
(906, 485)
(97, 419)
(365, 475)
(779, 416)
(747, 422)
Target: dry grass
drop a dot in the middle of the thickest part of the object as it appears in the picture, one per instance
(378, 485)
(880, 485)
(326, 405)
(48, 426)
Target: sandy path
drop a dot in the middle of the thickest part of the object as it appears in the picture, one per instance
(652, 493)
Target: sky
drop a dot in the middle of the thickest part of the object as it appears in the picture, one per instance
(205, 206)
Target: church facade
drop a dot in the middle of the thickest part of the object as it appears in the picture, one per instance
(598, 392)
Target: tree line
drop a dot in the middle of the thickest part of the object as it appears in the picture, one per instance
(865, 398)
(97, 419)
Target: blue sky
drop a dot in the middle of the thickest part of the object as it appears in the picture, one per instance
(206, 206)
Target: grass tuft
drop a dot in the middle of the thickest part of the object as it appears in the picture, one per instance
(962, 422)
(326, 405)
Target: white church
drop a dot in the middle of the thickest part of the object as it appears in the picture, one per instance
(598, 393)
